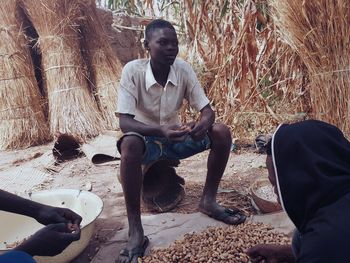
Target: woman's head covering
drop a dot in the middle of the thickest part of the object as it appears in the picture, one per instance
(312, 167)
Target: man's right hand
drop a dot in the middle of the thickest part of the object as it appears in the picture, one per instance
(50, 240)
(175, 132)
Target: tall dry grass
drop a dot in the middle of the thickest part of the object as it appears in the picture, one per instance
(253, 78)
(22, 120)
(319, 31)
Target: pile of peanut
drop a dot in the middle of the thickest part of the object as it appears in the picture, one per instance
(216, 245)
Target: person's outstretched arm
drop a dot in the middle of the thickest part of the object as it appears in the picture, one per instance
(44, 214)
(271, 253)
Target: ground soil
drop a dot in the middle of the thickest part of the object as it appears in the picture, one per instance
(243, 168)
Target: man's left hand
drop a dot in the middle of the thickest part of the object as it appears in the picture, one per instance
(199, 130)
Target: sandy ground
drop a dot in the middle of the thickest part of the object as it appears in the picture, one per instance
(242, 169)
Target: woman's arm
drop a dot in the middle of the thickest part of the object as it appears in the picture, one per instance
(271, 253)
(44, 214)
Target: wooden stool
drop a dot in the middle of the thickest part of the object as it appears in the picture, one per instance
(162, 188)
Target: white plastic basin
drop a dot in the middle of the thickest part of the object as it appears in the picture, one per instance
(15, 228)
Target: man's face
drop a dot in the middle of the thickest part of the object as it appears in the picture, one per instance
(163, 46)
(272, 175)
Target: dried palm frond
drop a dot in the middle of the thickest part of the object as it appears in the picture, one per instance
(72, 108)
(22, 120)
(319, 31)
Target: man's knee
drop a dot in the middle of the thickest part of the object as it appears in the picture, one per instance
(131, 146)
(220, 134)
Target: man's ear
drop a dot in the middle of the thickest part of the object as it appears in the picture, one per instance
(146, 44)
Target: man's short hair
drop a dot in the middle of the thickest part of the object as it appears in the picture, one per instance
(156, 24)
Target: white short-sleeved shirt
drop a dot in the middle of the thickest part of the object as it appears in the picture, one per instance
(140, 94)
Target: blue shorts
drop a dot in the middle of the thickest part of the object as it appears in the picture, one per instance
(16, 256)
(160, 148)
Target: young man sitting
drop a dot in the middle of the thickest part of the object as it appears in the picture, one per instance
(150, 96)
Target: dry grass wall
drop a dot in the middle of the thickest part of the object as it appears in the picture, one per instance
(319, 31)
(22, 120)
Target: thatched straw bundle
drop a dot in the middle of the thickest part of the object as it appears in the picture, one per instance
(22, 121)
(319, 30)
(105, 67)
(72, 108)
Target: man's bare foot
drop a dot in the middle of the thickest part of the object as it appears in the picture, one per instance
(226, 215)
(134, 249)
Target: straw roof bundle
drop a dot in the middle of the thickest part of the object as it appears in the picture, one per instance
(319, 30)
(22, 120)
(105, 67)
(72, 108)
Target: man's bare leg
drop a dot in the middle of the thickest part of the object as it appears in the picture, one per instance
(132, 149)
(221, 141)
